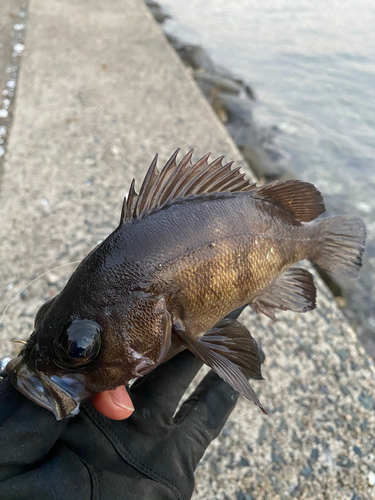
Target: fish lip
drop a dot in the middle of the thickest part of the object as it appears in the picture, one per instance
(60, 395)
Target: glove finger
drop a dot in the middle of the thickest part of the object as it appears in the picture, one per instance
(201, 418)
(9, 399)
(63, 476)
(161, 390)
(26, 435)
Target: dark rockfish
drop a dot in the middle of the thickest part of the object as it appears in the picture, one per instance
(197, 242)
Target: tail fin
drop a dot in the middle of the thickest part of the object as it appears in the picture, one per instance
(341, 245)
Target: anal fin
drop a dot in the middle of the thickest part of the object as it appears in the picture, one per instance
(230, 351)
(293, 290)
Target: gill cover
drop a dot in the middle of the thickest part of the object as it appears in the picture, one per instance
(149, 333)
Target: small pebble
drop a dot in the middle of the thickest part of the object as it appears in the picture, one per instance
(343, 461)
(115, 151)
(344, 390)
(314, 455)
(306, 472)
(366, 400)
(295, 490)
(371, 479)
(283, 426)
(262, 434)
(277, 458)
(340, 301)
(90, 162)
(357, 450)
(343, 354)
(276, 484)
(19, 48)
(52, 279)
(363, 425)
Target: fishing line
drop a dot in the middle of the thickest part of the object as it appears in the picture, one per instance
(33, 281)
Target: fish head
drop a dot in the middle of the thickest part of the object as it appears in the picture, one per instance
(70, 357)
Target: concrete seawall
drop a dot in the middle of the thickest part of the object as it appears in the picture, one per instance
(101, 92)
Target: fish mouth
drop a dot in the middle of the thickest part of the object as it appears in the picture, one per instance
(60, 395)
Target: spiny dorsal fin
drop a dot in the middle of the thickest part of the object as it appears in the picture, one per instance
(129, 204)
(301, 199)
(177, 181)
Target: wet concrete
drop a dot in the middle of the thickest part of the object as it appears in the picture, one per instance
(100, 92)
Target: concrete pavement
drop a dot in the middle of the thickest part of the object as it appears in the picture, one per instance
(100, 93)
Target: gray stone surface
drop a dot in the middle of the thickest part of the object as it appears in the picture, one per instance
(100, 92)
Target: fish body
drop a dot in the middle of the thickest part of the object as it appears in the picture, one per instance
(198, 242)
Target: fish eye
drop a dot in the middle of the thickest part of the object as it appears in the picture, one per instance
(79, 343)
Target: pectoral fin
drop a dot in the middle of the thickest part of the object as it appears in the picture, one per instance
(231, 352)
(294, 290)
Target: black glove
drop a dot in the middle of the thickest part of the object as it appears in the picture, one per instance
(151, 455)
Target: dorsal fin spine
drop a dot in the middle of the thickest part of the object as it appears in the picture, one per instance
(147, 185)
(210, 181)
(157, 185)
(130, 203)
(166, 195)
(221, 183)
(185, 174)
(123, 212)
(233, 184)
(175, 177)
(191, 186)
(184, 187)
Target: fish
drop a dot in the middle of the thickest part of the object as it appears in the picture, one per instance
(198, 242)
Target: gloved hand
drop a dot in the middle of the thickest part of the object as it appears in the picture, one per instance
(151, 455)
